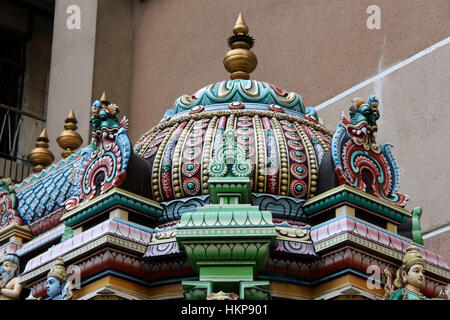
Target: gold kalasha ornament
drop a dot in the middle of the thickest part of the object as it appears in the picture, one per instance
(240, 61)
(41, 156)
(69, 140)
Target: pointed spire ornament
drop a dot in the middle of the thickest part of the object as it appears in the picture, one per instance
(69, 140)
(41, 156)
(103, 99)
(240, 61)
(240, 27)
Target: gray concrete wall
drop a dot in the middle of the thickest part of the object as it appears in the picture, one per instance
(87, 61)
(316, 48)
(72, 70)
(415, 119)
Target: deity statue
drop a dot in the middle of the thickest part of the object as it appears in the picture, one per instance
(409, 278)
(57, 285)
(10, 286)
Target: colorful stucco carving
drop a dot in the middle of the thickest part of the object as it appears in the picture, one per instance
(409, 278)
(239, 192)
(359, 161)
(8, 204)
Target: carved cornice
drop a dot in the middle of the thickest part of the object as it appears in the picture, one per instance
(111, 232)
(346, 194)
(293, 234)
(338, 262)
(118, 261)
(345, 229)
(112, 198)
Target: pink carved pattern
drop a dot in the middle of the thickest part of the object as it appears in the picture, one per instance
(381, 237)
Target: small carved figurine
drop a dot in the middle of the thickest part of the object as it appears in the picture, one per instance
(57, 285)
(10, 286)
(222, 296)
(409, 278)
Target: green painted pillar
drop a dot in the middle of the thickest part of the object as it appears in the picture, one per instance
(227, 242)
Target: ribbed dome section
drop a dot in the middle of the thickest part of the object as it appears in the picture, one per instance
(284, 146)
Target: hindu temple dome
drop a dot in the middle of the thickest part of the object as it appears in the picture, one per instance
(240, 192)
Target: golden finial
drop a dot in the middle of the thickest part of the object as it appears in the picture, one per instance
(69, 140)
(103, 99)
(240, 27)
(240, 61)
(41, 156)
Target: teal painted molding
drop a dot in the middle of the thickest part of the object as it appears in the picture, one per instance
(345, 195)
(110, 201)
(229, 186)
(196, 290)
(239, 90)
(226, 216)
(254, 290)
(68, 233)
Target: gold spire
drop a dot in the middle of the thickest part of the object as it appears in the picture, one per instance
(41, 156)
(240, 27)
(69, 140)
(103, 99)
(240, 61)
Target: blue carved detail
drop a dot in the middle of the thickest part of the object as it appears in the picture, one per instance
(283, 207)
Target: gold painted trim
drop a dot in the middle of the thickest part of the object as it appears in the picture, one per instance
(283, 158)
(335, 287)
(178, 160)
(290, 290)
(150, 137)
(14, 229)
(311, 159)
(239, 112)
(319, 137)
(261, 155)
(128, 290)
(207, 153)
(156, 170)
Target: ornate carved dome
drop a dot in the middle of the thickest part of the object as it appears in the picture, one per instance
(284, 144)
